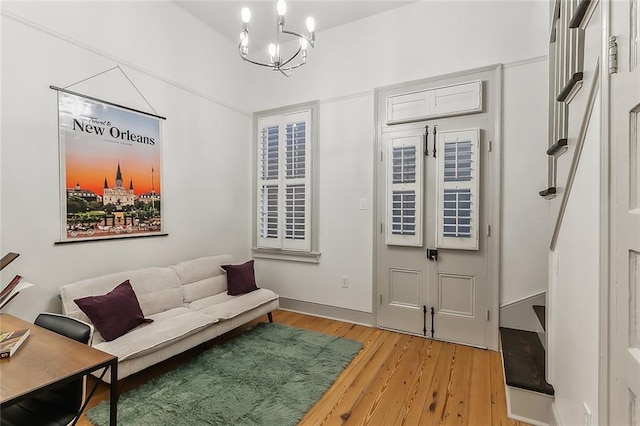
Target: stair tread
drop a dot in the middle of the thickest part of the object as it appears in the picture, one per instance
(524, 360)
(540, 313)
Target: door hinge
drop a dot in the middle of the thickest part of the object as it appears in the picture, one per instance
(613, 54)
(381, 227)
(488, 230)
(490, 146)
(381, 299)
(488, 314)
(380, 155)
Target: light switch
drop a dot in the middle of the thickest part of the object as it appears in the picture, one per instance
(363, 203)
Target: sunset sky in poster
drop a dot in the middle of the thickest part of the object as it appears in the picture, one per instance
(97, 136)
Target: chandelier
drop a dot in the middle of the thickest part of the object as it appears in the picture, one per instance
(278, 63)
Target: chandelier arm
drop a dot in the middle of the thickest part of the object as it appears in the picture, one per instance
(298, 35)
(292, 57)
(258, 63)
(293, 67)
(254, 62)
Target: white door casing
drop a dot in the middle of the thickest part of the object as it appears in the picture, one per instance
(458, 285)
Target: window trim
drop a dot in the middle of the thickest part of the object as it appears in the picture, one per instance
(312, 255)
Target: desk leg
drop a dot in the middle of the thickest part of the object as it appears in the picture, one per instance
(113, 388)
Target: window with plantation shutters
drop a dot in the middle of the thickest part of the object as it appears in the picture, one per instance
(404, 190)
(284, 182)
(458, 193)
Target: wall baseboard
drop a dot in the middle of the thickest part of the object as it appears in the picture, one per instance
(326, 311)
(555, 416)
(529, 407)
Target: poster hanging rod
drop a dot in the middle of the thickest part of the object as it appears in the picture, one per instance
(60, 89)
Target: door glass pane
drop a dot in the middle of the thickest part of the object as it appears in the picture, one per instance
(457, 213)
(403, 217)
(404, 164)
(457, 161)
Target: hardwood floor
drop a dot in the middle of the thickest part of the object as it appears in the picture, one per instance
(396, 379)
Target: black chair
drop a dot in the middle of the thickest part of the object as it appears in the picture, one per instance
(61, 405)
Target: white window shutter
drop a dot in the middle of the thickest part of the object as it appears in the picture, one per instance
(404, 190)
(458, 189)
(296, 159)
(268, 184)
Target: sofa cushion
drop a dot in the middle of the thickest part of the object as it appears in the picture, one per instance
(113, 313)
(167, 327)
(241, 279)
(204, 288)
(202, 277)
(223, 306)
(157, 289)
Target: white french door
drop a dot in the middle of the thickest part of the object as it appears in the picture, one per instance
(624, 398)
(436, 188)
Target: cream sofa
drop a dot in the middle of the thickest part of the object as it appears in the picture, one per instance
(188, 303)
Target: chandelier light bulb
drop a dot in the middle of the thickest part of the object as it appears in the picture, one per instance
(272, 50)
(311, 24)
(246, 15)
(281, 5)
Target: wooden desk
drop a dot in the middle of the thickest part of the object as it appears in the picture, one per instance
(47, 359)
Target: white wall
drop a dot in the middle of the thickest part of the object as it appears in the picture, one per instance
(346, 233)
(421, 40)
(573, 333)
(206, 146)
(525, 215)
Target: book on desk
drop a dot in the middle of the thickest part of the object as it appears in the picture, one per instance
(10, 341)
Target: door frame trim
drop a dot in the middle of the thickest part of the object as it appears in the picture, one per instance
(493, 190)
(607, 272)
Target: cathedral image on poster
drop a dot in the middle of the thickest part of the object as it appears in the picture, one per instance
(110, 168)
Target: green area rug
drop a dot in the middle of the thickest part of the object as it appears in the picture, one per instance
(270, 375)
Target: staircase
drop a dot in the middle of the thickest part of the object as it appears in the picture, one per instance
(529, 395)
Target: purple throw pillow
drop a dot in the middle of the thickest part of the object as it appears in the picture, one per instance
(240, 278)
(114, 313)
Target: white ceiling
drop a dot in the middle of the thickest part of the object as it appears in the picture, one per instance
(224, 16)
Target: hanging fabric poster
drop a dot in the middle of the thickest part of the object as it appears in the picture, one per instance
(110, 170)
